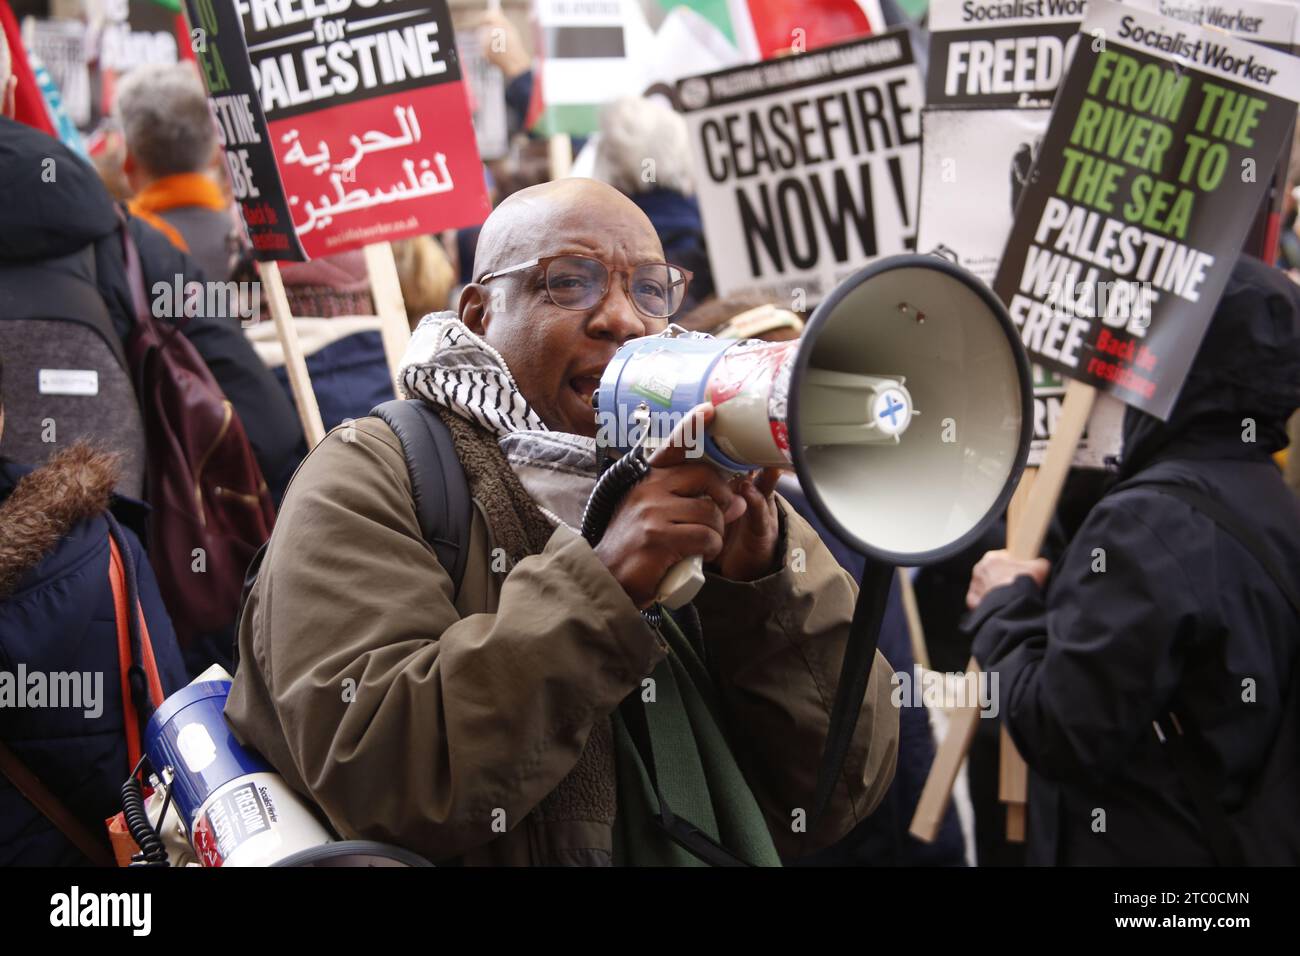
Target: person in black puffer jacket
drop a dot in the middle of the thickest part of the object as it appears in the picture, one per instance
(57, 617)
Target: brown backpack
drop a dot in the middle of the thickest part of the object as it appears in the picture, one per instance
(211, 507)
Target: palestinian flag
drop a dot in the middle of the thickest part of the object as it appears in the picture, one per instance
(601, 50)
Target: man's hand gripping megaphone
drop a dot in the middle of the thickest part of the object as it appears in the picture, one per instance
(687, 507)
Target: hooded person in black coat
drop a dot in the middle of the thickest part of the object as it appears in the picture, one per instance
(63, 716)
(1154, 607)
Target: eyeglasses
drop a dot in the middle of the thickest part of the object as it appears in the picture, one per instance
(580, 283)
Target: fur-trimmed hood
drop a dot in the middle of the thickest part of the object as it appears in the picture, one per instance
(45, 504)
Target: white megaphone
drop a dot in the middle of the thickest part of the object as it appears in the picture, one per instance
(905, 409)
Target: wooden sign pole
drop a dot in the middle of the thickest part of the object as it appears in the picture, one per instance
(1013, 775)
(294, 362)
(560, 154)
(394, 330)
(386, 290)
(932, 806)
(1032, 523)
(920, 654)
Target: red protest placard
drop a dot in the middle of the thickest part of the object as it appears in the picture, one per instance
(368, 118)
(381, 169)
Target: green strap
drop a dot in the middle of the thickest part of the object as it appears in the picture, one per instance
(694, 767)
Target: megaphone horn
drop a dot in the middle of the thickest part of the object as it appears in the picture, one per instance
(902, 487)
(966, 419)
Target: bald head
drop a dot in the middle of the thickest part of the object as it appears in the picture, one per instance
(555, 354)
(540, 220)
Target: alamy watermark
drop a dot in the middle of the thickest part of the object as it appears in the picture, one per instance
(1117, 303)
(130, 910)
(628, 430)
(223, 300)
(76, 690)
(936, 689)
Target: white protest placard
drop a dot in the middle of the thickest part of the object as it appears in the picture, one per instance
(61, 46)
(974, 166)
(584, 61)
(806, 166)
(487, 91)
(1260, 21)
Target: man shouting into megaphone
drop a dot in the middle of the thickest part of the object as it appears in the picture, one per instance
(517, 707)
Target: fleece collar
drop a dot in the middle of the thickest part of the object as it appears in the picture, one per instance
(47, 503)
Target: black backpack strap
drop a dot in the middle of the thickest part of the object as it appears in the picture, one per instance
(1229, 522)
(66, 288)
(442, 499)
(443, 504)
(1182, 742)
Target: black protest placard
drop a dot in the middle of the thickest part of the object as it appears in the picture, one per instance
(806, 166)
(1273, 25)
(1159, 150)
(242, 129)
(313, 53)
(1000, 52)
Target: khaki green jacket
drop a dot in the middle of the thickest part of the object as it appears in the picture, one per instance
(432, 723)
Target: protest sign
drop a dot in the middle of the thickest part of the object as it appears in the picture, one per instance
(1000, 52)
(136, 33)
(487, 90)
(132, 33)
(368, 117)
(242, 131)
(1268, 22)
(1156, 158)
(60, 44)
(806, 166)
(584, 61)
(1102, 436)
(1272, 25)
(974, 166)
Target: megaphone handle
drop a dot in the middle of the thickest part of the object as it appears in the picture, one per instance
(682, 582)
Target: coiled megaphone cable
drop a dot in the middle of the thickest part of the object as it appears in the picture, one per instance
(615, 482)
(152, 852)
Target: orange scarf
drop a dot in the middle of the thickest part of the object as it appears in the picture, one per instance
(182, 189)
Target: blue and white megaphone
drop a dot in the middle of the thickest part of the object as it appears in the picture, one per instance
(234, 809)
(905, 409)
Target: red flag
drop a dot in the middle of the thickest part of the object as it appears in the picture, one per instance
(29, 104)
(780, 27)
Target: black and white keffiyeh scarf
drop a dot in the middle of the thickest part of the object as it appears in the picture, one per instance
(449, 366)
